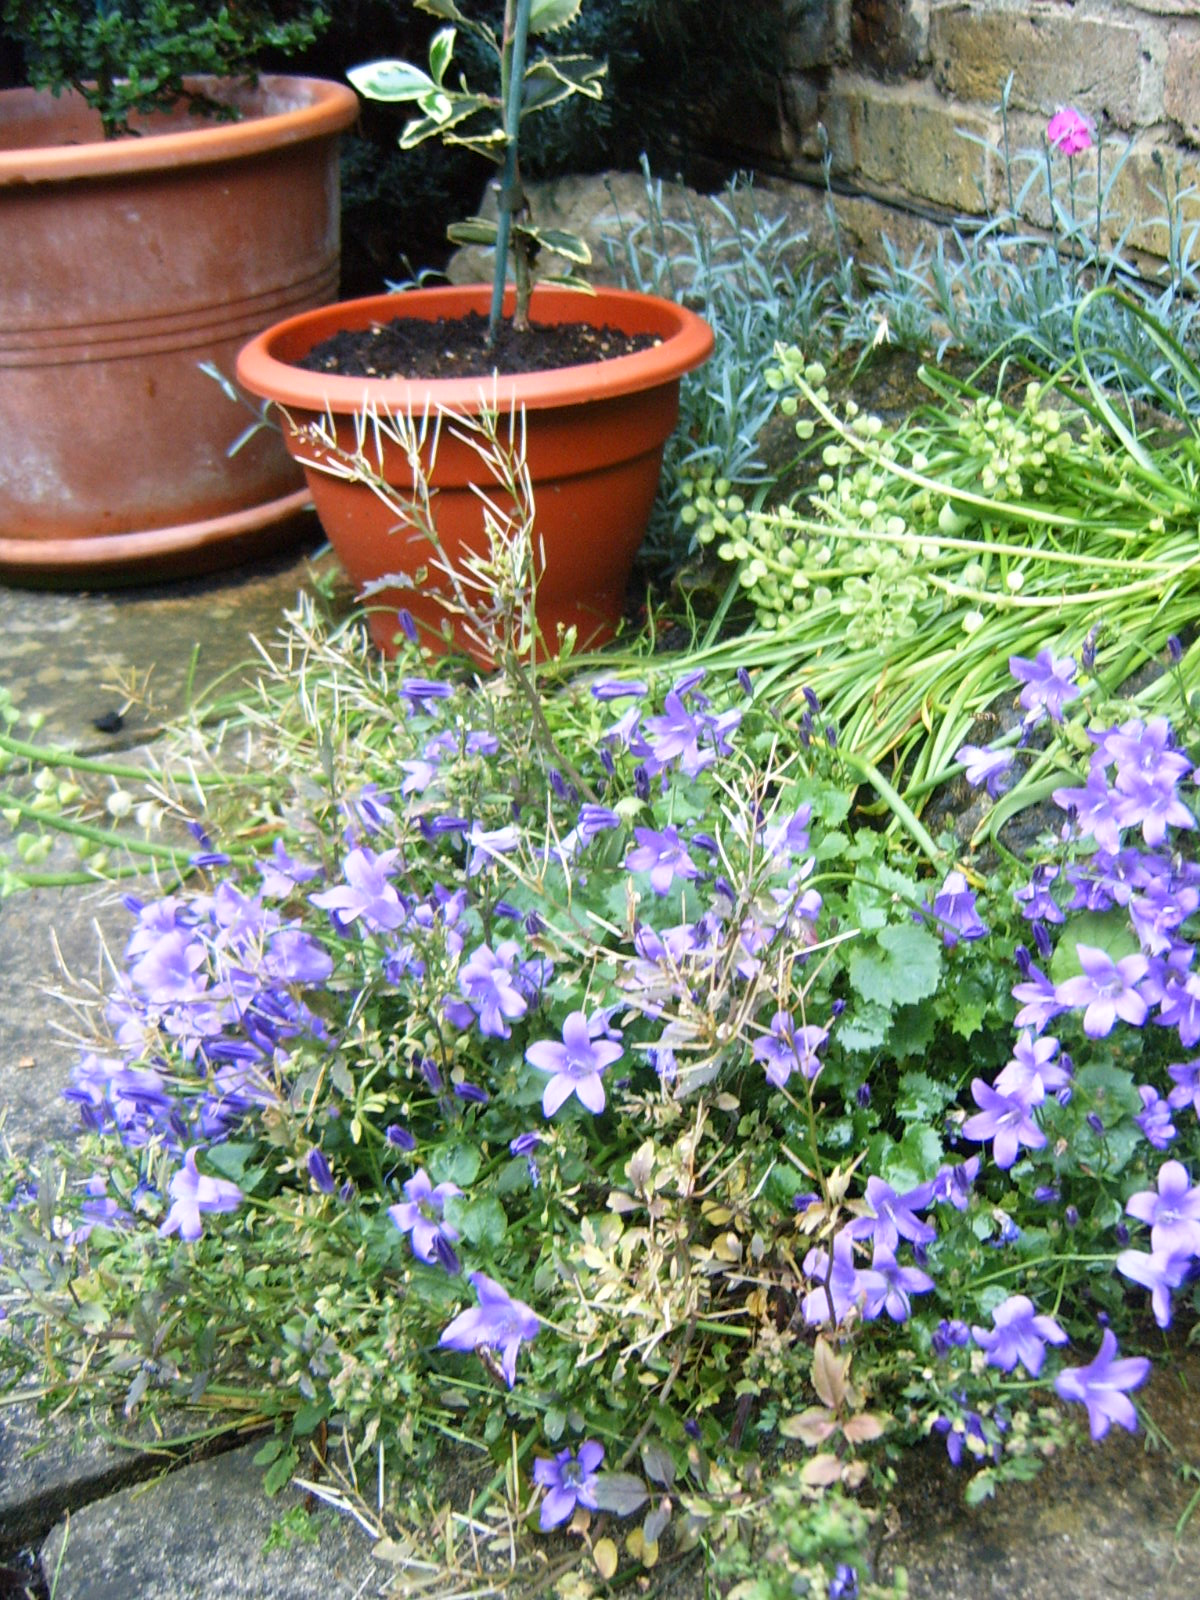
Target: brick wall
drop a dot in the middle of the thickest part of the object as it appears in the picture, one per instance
(894, 84)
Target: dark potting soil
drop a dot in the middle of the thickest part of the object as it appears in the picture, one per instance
(411, 347)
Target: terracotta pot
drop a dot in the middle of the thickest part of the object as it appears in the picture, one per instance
(124, 265)
(594, 439)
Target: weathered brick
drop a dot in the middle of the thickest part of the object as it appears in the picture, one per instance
(1181, 82)
(1056, 59)
(885, 37)
(908, 138)
(810, 35)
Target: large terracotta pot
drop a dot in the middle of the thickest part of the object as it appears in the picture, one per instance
(594, 439)
(124, 265)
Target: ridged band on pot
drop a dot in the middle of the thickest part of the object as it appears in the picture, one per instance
(594, 438)
(125, 265)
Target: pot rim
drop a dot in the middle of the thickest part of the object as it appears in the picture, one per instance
(326, 109)
(687, 341)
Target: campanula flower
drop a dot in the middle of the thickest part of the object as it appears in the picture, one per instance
(575, 1065)
(1102, 1386)
(569, 1481)
(498, 1322)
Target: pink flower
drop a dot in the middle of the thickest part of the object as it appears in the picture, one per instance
(1069, 131)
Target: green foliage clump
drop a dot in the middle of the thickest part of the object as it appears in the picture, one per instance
(134, 56)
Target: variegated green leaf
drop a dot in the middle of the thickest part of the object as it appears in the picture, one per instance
(475, 230)
(568, 245)
(547, 16)
(441, 49)
(390, 80)
(547, 82)
(444, 113)
(448, 11)
(568, 281)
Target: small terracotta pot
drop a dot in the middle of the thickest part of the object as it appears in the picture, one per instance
(126, 263)
(594, 439)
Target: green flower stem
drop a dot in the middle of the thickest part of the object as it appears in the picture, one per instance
(46, 755)
(1040, 1261)
(84, 830)
(900, 810)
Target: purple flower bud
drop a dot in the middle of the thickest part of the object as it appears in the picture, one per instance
(837, 1007)
(399, 1138)
(431, 1074)
(1045, 1194)
(743, 677)
(641, 783)
(524, 1143)
(814, 704)
(408, 624)
(1042, 939)
(864, 1095)
(1071, 1217)
(318, 1171)
(607, 762)
(504, 908)
(1088, 653)
(1121, 1233)
(1023, 960)
(831, 735)
(1174, 649)
(533, 924)
(705, 841)
(347, 1192)
(801, 1202)
(471, 1093)
(1095, 1124)
(692, 1428)
(557, 783)
(1065, 1095)
(444, 1253)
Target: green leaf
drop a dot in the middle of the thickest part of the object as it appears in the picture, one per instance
(441, 50)
(482, 1221)
(911, 1031)
(391, 80)
(547, 16)
(1105, 930)
(269, 1450)
(549, 82)
(456, 1163)
(569, 245)
(901, 966)
(922, 1098)
(981, 1487)
(231, 1160)
(864, 1026)
(309, 1418)
(916, 1158)
(475, 230)
(622, 1493)
(280, 1472)
(446, 9)
(553, 1424)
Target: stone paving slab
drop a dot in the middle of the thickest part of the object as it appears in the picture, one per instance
(200, 1533)
(1104, 1521)
(76, 657)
